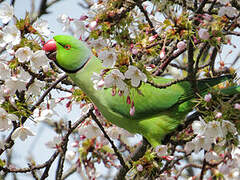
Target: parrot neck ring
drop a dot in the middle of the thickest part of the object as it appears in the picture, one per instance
(71, 71)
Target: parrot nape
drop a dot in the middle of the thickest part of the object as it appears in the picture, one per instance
(157, 111)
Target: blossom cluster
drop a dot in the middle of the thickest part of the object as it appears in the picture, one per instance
(21, 58)
(213, 132)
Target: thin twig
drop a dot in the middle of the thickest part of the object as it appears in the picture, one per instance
(136, 155)
(120, 158)
(48, 163)
(165, 85)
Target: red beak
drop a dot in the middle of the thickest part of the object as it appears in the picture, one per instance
(50, 46)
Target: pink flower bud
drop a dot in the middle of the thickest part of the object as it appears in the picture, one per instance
(203, 34)
(237, 106)
(113, 91)
(128, 100)
(93, 25)
(207, 97)
(152, 38)
(69, 106)
(120, 93)
(132, 109)
(181, 45)
(82, 18)
(218, 115)
(195, 40)
(140, 168)
(162, 53)
(82, 137)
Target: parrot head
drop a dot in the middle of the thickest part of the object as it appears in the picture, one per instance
(69, 53)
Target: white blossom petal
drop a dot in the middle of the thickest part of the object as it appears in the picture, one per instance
(11, 35)
(38, 60)
(54, 143)
(24, 54)
(109, 58)
(6, 12)
(42, 27)
(22, 132)
(135, 75)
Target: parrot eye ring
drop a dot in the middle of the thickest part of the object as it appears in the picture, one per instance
(67, 46)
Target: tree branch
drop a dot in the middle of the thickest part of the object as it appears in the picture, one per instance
(120, 158)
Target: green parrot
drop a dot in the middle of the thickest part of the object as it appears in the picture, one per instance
(157, 111)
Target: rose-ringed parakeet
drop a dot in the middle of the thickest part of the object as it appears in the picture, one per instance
(157, 111)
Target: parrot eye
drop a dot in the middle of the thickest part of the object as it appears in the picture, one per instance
(67, 46)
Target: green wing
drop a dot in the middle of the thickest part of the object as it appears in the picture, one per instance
(154, 100)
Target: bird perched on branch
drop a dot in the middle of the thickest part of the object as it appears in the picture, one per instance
(157, 111)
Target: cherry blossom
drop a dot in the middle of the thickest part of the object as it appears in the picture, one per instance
(24, 54)
(6, 12)
(212, 157)
(11, 35)
(135, 75)
(207, 97)
(161, 150)
(92, 25)
(181, 45)
(42, 115)
(202, 142)
(4, 71)
(148, 6)
(6, 120)
(22, 132)
(237, 106)
(98, 82)
(132, 109)
(54, 144)
(139, 167)
(80, 29)
(35, 88)
(109, 58)
(189, 147)
(218, 115)
(199, 127)
(42, 27)
(203, 34)
(228, 126)
(65, 20)
(115, 79)
(70, 155)
(90, 131)
(96, 8)
(213, 129)
(2, 42)
(99, 43)
(115, 132)
(228, 11)
(38, 60)
(15, 84)
(224, 2)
